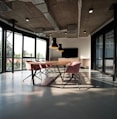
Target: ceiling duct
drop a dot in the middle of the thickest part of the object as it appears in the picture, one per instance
(4, 7)
(42, 6)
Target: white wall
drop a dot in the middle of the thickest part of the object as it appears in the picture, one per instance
(82, 43)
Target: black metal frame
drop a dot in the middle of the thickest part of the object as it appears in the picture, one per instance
(103, 31)
(11, 27)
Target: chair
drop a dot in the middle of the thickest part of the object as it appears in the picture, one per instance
(73, 69)
(46, 68)
(34, 67)
(43, 66)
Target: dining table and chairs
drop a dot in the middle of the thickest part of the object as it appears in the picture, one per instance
(36, 67)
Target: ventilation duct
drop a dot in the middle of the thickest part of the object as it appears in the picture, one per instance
(4, 7)
(42, 6)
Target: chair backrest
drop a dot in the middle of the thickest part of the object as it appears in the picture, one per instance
(28, 65)
(32, 66)
(42, 65)
(73, 68)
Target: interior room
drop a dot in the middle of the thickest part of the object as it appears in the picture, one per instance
(58, 59)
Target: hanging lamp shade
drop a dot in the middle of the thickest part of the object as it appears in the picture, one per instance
(60, 49)
(54, 44)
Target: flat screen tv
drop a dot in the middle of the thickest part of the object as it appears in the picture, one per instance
(70, 52)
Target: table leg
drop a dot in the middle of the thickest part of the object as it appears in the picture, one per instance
(59, 72)
(33, 77)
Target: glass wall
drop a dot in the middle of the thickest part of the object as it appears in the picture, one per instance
(9, 48)
(28, 50)
(41, 47)
(102, 43)
(99, 52)
(29, 47)
(18, 46)
(0, 49)
(109, 51)
(18, 51)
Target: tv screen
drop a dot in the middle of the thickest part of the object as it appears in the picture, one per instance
(70, 52)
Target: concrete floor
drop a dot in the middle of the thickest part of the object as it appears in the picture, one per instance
(22, 100)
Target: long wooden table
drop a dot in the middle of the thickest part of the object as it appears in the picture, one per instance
(51, 63)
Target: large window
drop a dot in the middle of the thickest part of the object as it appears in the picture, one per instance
(18, 46)
(9, 48)
(0, 49)
(28, 50)
(99, 52)
(109, 52)
(41, 49)
(29, 47)
(102, 49)
(17, 51)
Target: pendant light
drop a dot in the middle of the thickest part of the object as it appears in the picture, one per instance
(60, 49)
(54, 44)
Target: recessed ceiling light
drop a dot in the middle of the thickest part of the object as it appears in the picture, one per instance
(90, 10)
(27, 19)
(65, 33)
(84, 32)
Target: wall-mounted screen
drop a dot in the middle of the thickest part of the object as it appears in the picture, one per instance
(70, 52)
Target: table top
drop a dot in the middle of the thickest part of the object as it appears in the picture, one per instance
(50, 62)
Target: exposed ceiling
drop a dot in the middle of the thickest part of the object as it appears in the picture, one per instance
(61, 18)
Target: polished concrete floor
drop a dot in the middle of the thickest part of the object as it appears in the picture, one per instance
(97, 99)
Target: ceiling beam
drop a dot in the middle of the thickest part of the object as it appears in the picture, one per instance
(79, 15)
